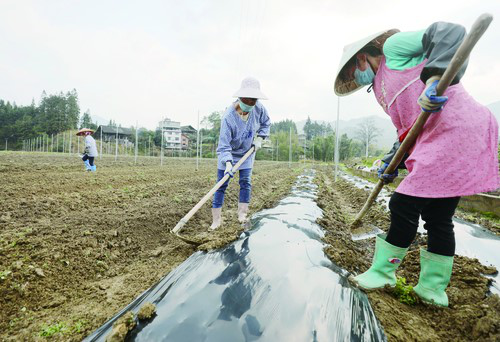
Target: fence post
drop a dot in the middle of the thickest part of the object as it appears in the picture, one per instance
(161, 148)
(198, 142)
(100, 154)
(116, 144)
(290, 150)
(136, 141)
(337, 140)
(201, 146)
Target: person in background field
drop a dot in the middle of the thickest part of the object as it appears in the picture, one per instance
(455, 154)
(90, 149)
(244, 124)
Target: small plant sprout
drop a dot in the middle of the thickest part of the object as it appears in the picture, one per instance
(404, 293)
(51, 330)
(4, 274)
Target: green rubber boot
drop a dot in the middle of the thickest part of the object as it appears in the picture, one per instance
(386, 260)
(435, 274)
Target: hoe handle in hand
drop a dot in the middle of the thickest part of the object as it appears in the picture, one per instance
(477, 30)
(205, 198)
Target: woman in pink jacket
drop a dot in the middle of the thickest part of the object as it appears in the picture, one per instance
(455, 155)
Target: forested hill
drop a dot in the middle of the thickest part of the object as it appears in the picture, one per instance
(53, 114)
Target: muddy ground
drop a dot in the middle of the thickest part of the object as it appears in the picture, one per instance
(473, 314)
(76, 247)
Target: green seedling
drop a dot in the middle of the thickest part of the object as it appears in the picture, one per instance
(78, 326)
(4, 274)
(490, 215)
(404, 293)
(51, 330)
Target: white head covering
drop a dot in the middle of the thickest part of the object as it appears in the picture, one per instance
(250, 88)
(345, 87)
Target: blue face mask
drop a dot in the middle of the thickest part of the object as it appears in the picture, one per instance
(364, 77)
(245, 108)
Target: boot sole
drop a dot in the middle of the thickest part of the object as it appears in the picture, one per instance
(355, 284)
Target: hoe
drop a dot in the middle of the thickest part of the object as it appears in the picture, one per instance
(477, 30)
(205, 198)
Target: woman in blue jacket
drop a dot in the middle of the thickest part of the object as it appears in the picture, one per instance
(245, 123)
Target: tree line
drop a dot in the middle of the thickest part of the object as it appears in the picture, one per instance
(54, 113)
(317, 142)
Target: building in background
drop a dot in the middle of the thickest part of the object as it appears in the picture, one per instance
(189, 135)
(109, 134)
(188, 129)
(172, 133)
(184, 141)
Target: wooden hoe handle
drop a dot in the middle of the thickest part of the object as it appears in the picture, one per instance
(477, 30)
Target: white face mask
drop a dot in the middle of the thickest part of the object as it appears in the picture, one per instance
(364, 77)
(244, 107)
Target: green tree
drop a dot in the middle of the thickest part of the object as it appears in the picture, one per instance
(210, 134)
(72, 109)
(86, 121)
(367, 133)
(308, 129)
(283, 126)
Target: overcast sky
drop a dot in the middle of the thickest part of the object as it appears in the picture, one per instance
(144, 60)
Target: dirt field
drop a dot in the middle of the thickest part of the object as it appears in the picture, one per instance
(473, 314)
(76, 247)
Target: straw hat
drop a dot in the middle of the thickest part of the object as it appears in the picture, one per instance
(83, 130)
(250, 88)
(348, 86)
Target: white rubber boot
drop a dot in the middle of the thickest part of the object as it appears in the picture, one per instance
(216, 218)
(242, 212)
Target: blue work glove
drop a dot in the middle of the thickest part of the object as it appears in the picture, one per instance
(387, 178)
(229, 169)
(428, 100)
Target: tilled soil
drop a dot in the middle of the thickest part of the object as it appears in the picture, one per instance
(473, 314)
(76, 247)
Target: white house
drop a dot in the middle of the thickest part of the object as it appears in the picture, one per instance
(171, 133)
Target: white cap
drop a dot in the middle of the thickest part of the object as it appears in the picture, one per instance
(250, 88)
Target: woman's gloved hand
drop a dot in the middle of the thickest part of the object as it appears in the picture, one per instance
(387, 178)
(257, 142)
(229, 168)
(428, 100)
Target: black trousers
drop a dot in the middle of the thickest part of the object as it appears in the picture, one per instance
(91, 159)
(437, 214)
